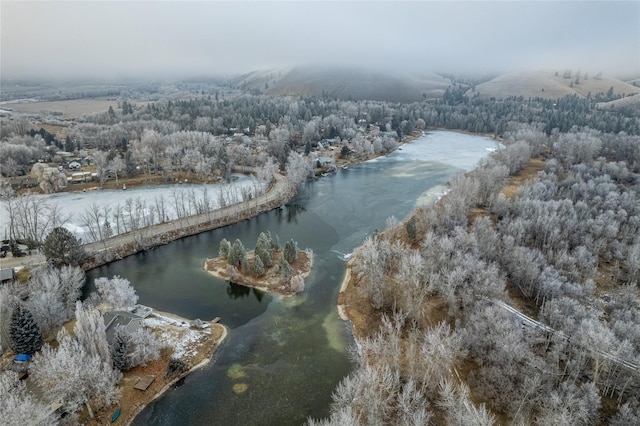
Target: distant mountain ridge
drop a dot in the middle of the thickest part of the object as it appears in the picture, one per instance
(398, 86)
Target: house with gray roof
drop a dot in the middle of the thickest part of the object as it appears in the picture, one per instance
(112, 319)
(7, 275)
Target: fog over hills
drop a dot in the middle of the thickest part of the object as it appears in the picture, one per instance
(60, 39)
(551, 85)
(346, 83)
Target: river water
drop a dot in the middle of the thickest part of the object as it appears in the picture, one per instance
(283, 357)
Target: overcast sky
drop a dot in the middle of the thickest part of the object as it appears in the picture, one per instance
(156, 39)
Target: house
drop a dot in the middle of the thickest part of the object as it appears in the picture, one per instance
(80, 177)
(326, 161)
(7, 275)
(112, 319)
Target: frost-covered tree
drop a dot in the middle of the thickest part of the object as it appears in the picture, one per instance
(117, 292)
(455, 401)
(257, 267)
(54, 293)
(73, 377)
(90, 331)
(298, 169)
(286, 271)
(101, 161)
(50, 179)
(264, 241)
(628, 414)
(274, 241)
(224, 249)
(236, 254)
(130, 349)
(18, 406)
(245, 265)
(24, 335)
(264, 254)
(290, 251)
(144, 346)
(61, 247)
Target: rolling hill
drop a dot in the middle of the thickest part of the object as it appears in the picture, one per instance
(631, 103)
(547, 84)
(346, 83)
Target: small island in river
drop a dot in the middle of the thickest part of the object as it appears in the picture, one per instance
(267, 268)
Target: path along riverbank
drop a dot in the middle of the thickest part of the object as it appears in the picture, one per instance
(123, 245)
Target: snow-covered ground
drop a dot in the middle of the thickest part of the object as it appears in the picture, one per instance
(455, 149)
(177, 334)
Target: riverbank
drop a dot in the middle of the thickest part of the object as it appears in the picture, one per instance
(270, 281)
(126, 244)
(123, 245)
(354, 307)
(195, 345)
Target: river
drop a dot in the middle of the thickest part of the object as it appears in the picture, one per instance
(283, 357)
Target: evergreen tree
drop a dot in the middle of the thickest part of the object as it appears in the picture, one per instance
(264, 241)
(68, 144)
(265, 256)
(257, 267)
(274, 241)
(61, 247)
(286, 271)
(245, 266)
(224, 248)
(120, 349)
(290, 251)
(236, 254)
(24, 333)
(344, 152)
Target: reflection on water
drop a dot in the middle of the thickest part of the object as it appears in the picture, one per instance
(284, 356)
(237, 291)
(290, 212)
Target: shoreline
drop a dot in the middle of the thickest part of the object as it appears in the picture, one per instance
(132, 401)
(168, 386)
(306, 258)
(123, 245)
(342, 307)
